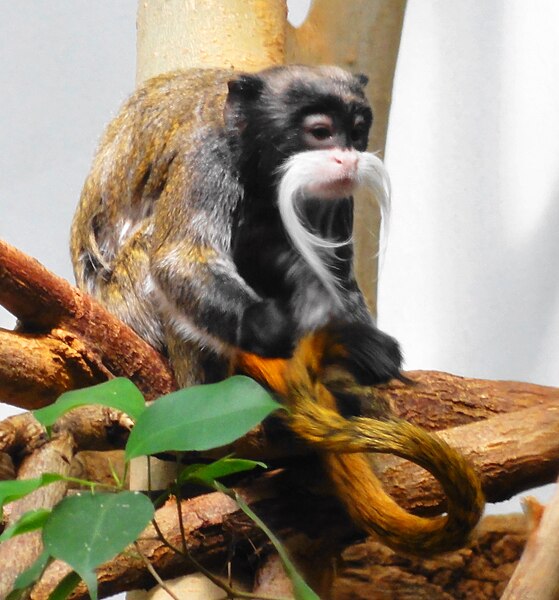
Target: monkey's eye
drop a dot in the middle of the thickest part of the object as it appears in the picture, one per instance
(318, 130)
(321, 133)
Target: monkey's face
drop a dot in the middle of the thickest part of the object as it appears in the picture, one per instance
(286, 111)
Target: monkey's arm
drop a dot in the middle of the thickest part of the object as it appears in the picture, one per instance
(202, 294)
(204, 298)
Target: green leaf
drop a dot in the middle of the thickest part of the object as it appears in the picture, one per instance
(220, 468)
(300, 588)
(87, 530)
(16, 489)
(119, 393)
(66, 586)
(30, 521)
(200, 417)
(29, 576)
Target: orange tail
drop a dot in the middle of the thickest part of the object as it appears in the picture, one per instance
(342, 442)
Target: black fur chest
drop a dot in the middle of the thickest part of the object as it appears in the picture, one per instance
(265, 257)
(262, 253)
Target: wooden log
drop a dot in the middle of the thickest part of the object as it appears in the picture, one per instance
(20, 552)
(370, 571)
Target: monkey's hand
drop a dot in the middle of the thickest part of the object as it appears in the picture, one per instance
(265, 329)
(370, 355)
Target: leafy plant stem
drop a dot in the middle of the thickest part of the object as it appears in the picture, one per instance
(229, 591)
(179, 511)
(164, 540)
(118, 480)
(154, 573)
(93, 486)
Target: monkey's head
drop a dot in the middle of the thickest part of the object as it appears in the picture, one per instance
(283, 111)
(301, 134)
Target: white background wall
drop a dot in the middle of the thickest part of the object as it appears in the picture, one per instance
(470, 281)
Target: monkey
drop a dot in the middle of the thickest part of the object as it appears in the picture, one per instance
(217, 222)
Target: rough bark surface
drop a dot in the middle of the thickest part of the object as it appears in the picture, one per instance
(370, 571)
(439, 400)
(20, 552)
(62, 325)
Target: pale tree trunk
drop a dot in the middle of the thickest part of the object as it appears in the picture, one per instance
(181, 34)
(536, 577)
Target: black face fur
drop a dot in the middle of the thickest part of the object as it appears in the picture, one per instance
(269, 114)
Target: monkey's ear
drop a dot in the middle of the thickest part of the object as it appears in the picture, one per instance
(245, 86)
(362, 79)
(243, 90)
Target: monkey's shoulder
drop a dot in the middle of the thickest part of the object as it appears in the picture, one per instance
(193, 96)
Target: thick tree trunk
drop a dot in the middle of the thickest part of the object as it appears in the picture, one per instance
(246, 35)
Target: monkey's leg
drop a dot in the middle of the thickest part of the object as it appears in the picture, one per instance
(191, 363)
(127, 291)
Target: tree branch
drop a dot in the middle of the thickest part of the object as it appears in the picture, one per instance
(47, 304)
(214, 525)
(36, 368)
(66, 339)
(512, 452)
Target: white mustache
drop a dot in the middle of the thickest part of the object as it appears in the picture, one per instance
(316, 170)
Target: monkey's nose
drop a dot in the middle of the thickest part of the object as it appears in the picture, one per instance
(348, 159)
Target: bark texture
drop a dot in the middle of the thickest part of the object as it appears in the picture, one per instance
(20, 552)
